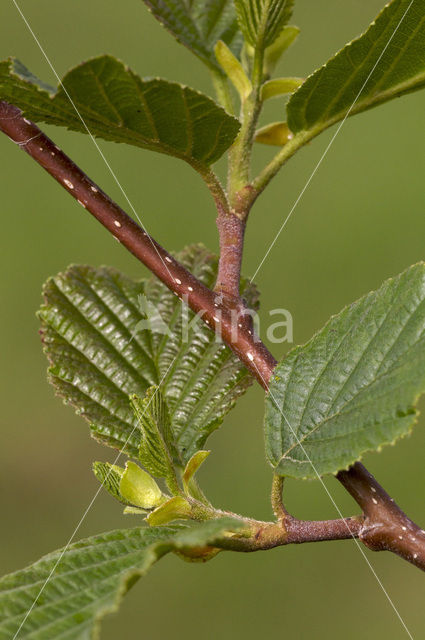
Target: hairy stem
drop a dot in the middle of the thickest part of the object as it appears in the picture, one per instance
(231, 231)
(383, 525)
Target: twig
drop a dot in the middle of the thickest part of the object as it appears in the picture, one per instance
(384, 525)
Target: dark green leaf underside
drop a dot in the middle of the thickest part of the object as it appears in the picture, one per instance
(107, 99)
(199, 25)
(88, 580)
(396, 39)
(101, 350)
(354, 386)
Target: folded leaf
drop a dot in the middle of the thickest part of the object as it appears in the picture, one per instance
(90, 578)
(396, 39)
(102, 349)
(99, 353)
(199, 25)
(157, 448)
(262, 21)
(116, 104)
(109, 475)
(354, 386)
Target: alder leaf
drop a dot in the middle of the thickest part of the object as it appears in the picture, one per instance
(87, 580)
(385, 62)
(102, 348)
(116, 104)
(262, 21)
(353, 388)
(199, 25)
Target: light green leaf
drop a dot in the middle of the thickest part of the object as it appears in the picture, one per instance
(274, 52)
(138, 488)
(109, 475)
(156, 444)
(116, 104)
(177, 508)
(233, 69)
(134, 511)
(192, 467)
(279, 87)
(199, 25)
(88, 580)
(275, 133)
(354, 386)
(102, 349)
(396, 39)
(262, 21)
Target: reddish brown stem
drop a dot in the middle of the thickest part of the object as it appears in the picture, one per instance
(231, 230)
(211, 306)
(384, 525)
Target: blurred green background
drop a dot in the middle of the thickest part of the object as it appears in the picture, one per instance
(361, 220)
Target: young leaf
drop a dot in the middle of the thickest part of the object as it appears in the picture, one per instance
(87, 580)
(138, 488)
(233, 69)
(192, 467)
(102, 349)
(279, 87)
(275, 133)
(354, 386)
(199, 25)
(156, 447)
(201, 377)
(109, 475)
(262, 21)
(116, 104)
(396, 39)
(177, 508)
(274, 52)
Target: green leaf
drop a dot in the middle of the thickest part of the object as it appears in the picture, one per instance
(109, 475)
(138, 488)
(157, 443)
(99, 354)
(396, 39)
(116, 104)
(199, 25)
(87, 580)
(262, 21)
(354, 386)
(102, 349)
